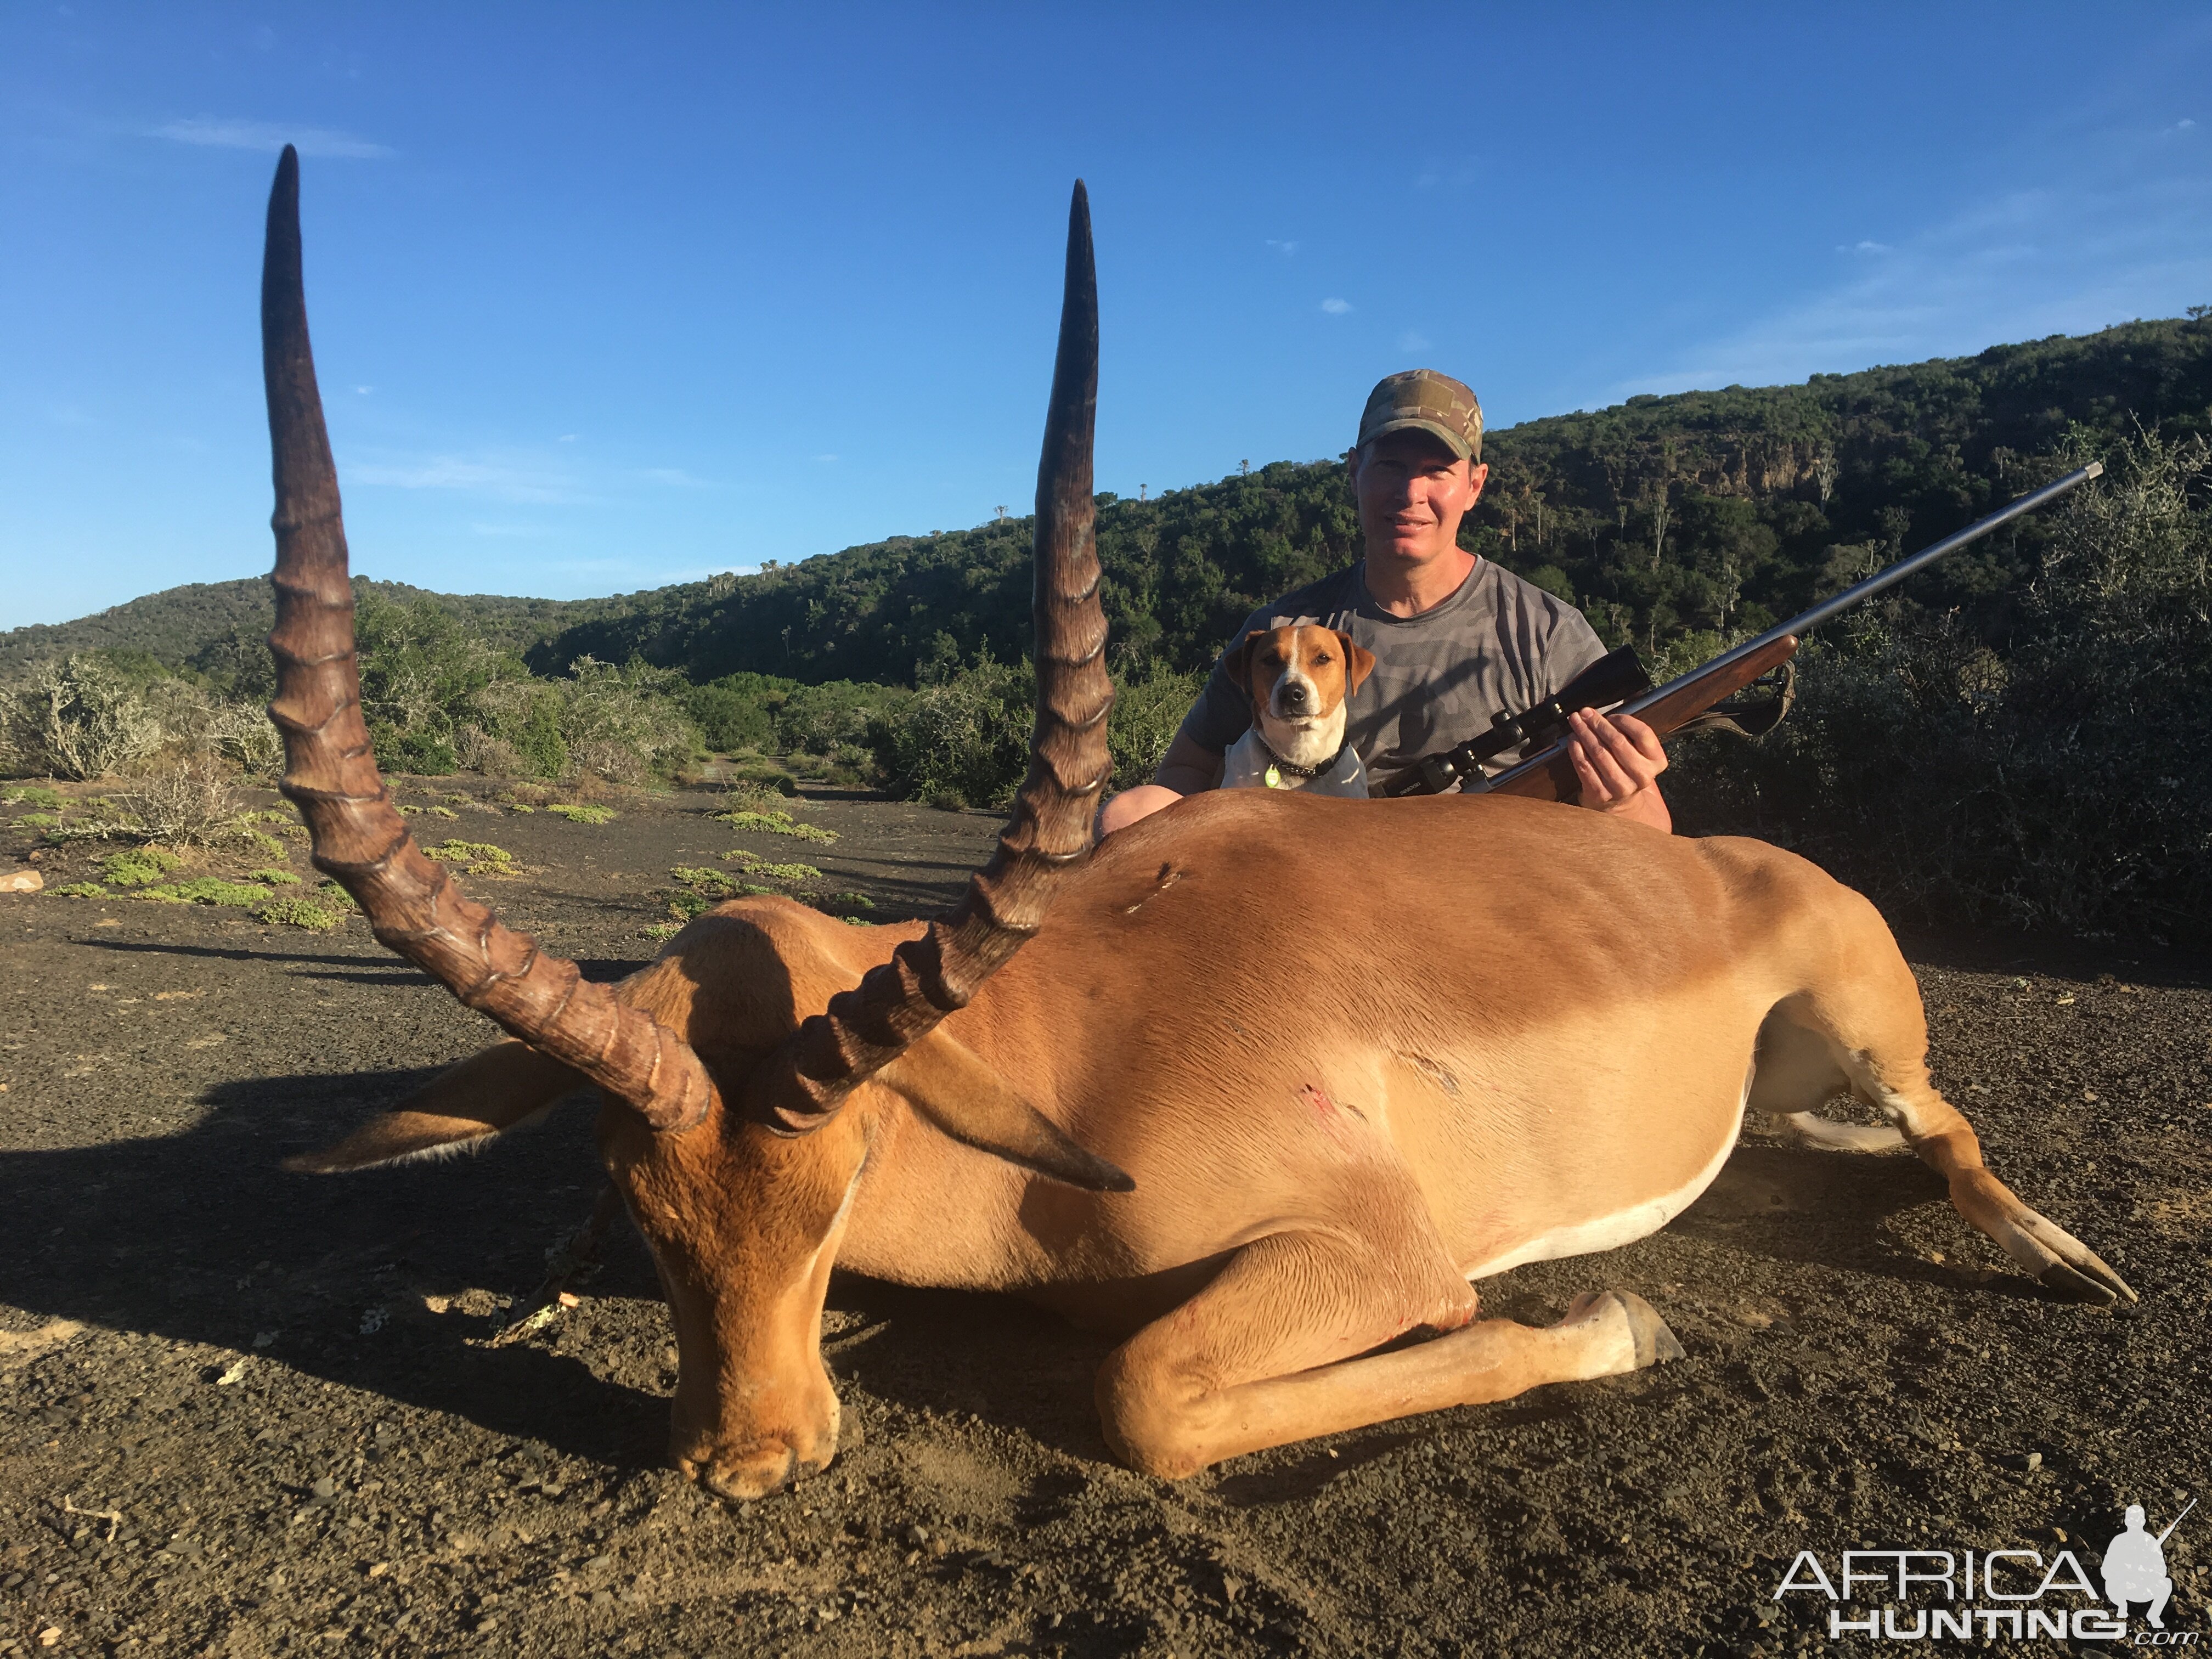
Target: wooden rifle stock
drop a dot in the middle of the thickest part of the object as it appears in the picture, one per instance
(1550, 775)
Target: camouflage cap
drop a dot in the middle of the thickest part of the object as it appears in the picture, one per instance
(1432, 402)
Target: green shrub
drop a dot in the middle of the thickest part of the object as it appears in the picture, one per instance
(275, 878)
(33, 795)
(2065, 782)
(576, 814)
(80, 890)
(41, 821)
(138, 867)
(1148, 711)
(300, 913)
(330, 893)
(753, 865)
(207, 889)
(962, 741)
(777, 823)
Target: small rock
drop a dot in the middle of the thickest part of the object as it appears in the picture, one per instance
(24, 881)
(2034, 1462)
(917, 1535)
(324, 1487)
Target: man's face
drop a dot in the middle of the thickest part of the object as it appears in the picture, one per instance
(1413, 492)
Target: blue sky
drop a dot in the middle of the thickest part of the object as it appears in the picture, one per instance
(610, 296)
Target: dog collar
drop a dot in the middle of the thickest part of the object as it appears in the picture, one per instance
(1277, 766)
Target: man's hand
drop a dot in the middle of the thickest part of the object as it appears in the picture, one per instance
(1619, 762)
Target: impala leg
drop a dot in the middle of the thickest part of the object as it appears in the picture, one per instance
(1864, 1030)
(1268, 1354)
(1947, 1144)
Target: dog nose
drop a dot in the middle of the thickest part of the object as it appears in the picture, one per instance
(1295, 695)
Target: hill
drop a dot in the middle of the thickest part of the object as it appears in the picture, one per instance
(1667, 518)
(203, 625)
(1663, 517)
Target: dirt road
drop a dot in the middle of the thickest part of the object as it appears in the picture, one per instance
(249, 1412)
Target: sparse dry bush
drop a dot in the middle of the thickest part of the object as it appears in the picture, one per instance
(193, 802)
(77, 717)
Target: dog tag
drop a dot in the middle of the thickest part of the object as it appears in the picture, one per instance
(1274, 777)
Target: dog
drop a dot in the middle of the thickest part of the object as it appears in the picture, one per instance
(1299, 679)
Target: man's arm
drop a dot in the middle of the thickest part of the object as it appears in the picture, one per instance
(1189, 767)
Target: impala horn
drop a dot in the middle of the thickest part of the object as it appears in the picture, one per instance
(799, 1086)
(330, 771)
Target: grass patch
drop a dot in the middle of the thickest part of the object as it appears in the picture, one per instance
(39, 821)
(658, 929)
(777, 823)
(300, 913)
(841, 905)
(754, 864)
(274, 878)
(80, 890)
(475, 858)
(139, 867)
(33, 795)
(207, 889)
(576, 814)
(330, 893)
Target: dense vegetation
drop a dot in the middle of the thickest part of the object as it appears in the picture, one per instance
(1963, 752)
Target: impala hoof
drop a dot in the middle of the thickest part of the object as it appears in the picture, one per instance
(1655, 1344)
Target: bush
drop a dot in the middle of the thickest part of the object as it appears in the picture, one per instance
(78, 718)
(964, 741)
(2063, 781)
(1148, 711)
(193, 802)
(576, 814)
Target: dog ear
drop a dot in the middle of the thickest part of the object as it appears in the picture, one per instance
(1240, 660)
(1358, 662)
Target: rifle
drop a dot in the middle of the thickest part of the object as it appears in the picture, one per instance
(1618, 678)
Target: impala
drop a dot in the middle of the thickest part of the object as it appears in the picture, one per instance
(1273, 1080)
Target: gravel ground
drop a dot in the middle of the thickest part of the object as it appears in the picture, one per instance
(246, 1412)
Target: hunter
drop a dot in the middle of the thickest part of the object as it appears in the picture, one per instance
(1457, 640)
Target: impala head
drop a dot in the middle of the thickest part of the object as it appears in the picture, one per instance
(744, 1070)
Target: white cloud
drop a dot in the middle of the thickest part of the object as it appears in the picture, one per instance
(1412, 340)
(363, 390)
(566, 438)
(825, 457)
(269, 136)
(1864, 247)
(503, 480)
(1334, 306)
(2068, 256)
(1286, 249)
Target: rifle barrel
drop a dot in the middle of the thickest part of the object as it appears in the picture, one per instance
(1836, 603)
(2176, 1521)
(1827, 609)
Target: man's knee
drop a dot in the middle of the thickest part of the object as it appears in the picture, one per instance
(1131, 805)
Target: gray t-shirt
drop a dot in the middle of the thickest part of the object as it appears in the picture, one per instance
(1497, 645)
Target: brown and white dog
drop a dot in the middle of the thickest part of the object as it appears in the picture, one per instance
(1299, 679)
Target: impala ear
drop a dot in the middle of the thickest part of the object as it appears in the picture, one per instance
(464, 1106)
(949, 1085)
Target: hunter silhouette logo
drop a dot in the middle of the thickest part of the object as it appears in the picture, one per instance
(2135, 1566)
(1987, 1594)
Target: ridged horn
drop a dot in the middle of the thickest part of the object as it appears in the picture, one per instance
(1050, 830)
(330, 771)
